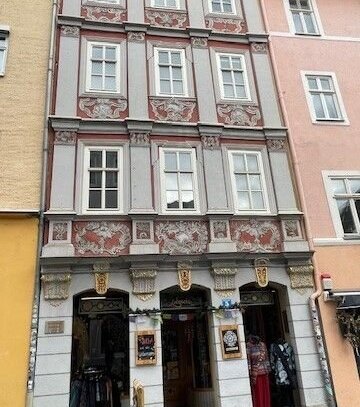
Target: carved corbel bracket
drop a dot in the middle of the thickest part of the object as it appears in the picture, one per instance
(143, 281)
(56, 287)
(224, 280)
(301, 277)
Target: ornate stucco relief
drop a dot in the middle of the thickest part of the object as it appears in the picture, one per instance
(104, 14)
(102, 108)
(173, 109)
(101, 277)
(143, 281)
(211, 142)
(65, 137)
(199, 42)
(276, 144)
(226, 24)
(301, 277)
(166, 18)
(224, 280)
(59, 231)
(261, 271)
(136, 36)
(70, 31)
(184, 275)
(292, 229)
(259, 47)
(239, 115)
(140, 139)
(56, 287)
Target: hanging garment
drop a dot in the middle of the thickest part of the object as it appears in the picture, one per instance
(261, 391)
(282, 362)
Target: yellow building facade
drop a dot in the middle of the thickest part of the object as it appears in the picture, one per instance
(24, 52)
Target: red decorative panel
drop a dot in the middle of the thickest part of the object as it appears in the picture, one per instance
(104, 14)
(173, 110)
(256, 236)
(232, 25)
(101, 238)
(239, 115)
(161, 18)
(102, 108)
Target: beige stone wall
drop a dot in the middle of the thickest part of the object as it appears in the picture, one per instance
(22, 101)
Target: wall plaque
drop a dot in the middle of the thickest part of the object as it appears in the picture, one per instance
(54, 327)
(230, 341)
(145, 348)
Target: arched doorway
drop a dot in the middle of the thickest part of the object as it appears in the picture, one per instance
(100, 350)
(185, 348)
(265, 317)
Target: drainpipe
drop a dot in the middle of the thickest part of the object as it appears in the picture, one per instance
(318, 289)
(36, 297)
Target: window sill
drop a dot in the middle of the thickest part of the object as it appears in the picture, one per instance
(331, 122)
(214, 14)
(307, 35)
(103, 4)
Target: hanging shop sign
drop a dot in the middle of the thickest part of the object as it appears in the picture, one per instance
(145, 348)
(230, 341)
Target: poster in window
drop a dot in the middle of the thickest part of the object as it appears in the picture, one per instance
(230, 341)
(145, 348)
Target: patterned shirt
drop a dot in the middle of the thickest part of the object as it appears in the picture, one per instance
(258, 359)
(281, 375)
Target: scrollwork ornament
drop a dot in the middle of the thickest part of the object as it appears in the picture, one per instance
(56, 287)
(70, 31)
(165, 18)
(259, 47)
(173, 109)
(101, 108)
(140, 139)
(261, 272)
(301, 277)
(143, 283)
(239, 115)
(224, 280)
(276, 144)
(211, 142)
(101, 283)
(136, 36)
(65, 137)
(184, 275)
(199, 42)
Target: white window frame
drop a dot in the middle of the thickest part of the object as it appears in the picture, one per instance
(259, 156)
(157, 72)
(177, 5)
(233, 8)
(90, 45)
(86, 178)
(106, 1)
(328, 176)
(343, 119)
(178, 211)
(4, 34)
(316, 19)
(245, 74)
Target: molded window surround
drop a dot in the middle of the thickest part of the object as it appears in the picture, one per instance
(303, 17)
(225, 8)
(4, 45)
(323, 97)
(343, 193)
(172, 4)
(248, 182)
(113, 3)
(179, 181)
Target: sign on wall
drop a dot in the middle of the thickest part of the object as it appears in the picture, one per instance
(230, 341)
(145, 348)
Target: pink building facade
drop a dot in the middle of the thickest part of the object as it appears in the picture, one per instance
(315, 49)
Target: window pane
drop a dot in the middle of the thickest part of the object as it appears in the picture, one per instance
(172, 199)
(346, 216)
(243, 200)
(184, 162)
(171, 3)
(164, 72)
(96, 52)
(110, 68)
(309, 23)
(355, 186)
(111, 179)
(111, 159)
(111, 200)
(319, 110)
(325, 83)
(163, 57)
(94, 199)
(240, 91)
(177, 73)
(2, 56)
(239, 78)
(216, 7)
(297, 23)
(186, 183)
(292, 3)
(96, 82)
(96, 68)
(170, 161)
(304, 4)
(258, 200)
(95, 179)
(110, 53)
(241, 183)
(187, 200)
(227, 8)
(236, 63)
(239, 162)
(110, 83)
(357, 206)
(227, 78)
(175, 58)
(338, 186)
(224, 62)
(229, 91)
(95, 159)
(331, 106)
(178, 87)
(165, 86)
(255, 182)
(252, 163)
(172, 181)
(312, 83)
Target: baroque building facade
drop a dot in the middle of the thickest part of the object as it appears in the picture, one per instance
(20, 182)
(171, 210)
(315, 46)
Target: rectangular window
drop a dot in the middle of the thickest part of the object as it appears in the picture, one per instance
(103, 71)
(179, 181)
(102, 178)
(233, 77)
(323, 97)
(108, 1)
(170, 72)
(248, 181)
(303, 17)
(346, 192)
(165, 3)
(222, 6)
(3, 52)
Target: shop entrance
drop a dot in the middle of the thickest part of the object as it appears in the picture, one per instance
(265, 319)
(100, 350)
(185, 349)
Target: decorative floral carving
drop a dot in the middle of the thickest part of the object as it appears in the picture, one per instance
(226, 24)
(101, 277)
(276, 144)
(224, 280)
(220, 229)
(182, 237)
(136, 36)
(59, 231)
(211, 142)
(239, 115)
(143, 230)
(143, 283)
(56, 287)
(65, 137)
(104, 14)
(174, 109)
(259, 47)
(261, 271)
(301, 277)
(70, 31)
(291, 228)
(101, 238)
(99, 108)
(184, 275)
(166, 18)
(140, 139)
(256, 236)
(199, 42)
